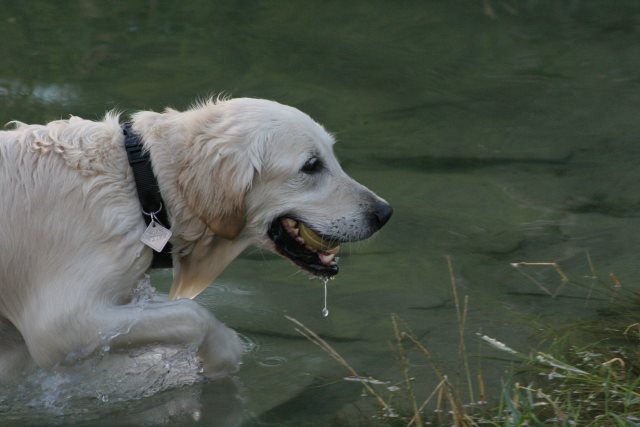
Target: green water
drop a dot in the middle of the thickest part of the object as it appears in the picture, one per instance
(500, 131)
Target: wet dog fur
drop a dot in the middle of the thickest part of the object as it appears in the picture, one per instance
(70, 250)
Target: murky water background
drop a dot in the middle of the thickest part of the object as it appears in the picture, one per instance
(500, 131)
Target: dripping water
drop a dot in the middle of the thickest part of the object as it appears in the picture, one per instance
(325, 310)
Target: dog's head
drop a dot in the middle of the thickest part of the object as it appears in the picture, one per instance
(264, 173)
(302, 205)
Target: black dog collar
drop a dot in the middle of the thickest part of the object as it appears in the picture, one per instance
(148, 190)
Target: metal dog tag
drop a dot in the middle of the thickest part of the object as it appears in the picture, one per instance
(156, 236)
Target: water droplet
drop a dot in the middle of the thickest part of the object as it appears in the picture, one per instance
(325, 310)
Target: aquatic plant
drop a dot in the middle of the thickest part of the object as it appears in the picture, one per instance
(575, 382)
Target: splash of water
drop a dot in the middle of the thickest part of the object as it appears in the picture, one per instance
(104, 377)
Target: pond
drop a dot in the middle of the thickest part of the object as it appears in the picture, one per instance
(500, 131)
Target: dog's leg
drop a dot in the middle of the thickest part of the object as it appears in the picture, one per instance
(196, 270)
(182, 322)
(14, 356)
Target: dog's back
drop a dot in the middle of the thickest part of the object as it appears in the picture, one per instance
(68, 208)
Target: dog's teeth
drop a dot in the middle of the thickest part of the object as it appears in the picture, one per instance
(334, 250)
(289, 222)
(326, 259)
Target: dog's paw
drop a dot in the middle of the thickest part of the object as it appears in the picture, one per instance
(221, 351)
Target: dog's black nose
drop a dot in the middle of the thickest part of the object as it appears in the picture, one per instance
(381, 214)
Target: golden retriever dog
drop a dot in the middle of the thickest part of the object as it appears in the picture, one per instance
(232, 173)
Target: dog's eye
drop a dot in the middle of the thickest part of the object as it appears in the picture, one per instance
(312, 165)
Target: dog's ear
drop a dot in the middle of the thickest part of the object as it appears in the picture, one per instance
(214, 181)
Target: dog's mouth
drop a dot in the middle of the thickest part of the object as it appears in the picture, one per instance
(304, 247)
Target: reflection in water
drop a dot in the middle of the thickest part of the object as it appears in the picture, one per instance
(52, 93)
